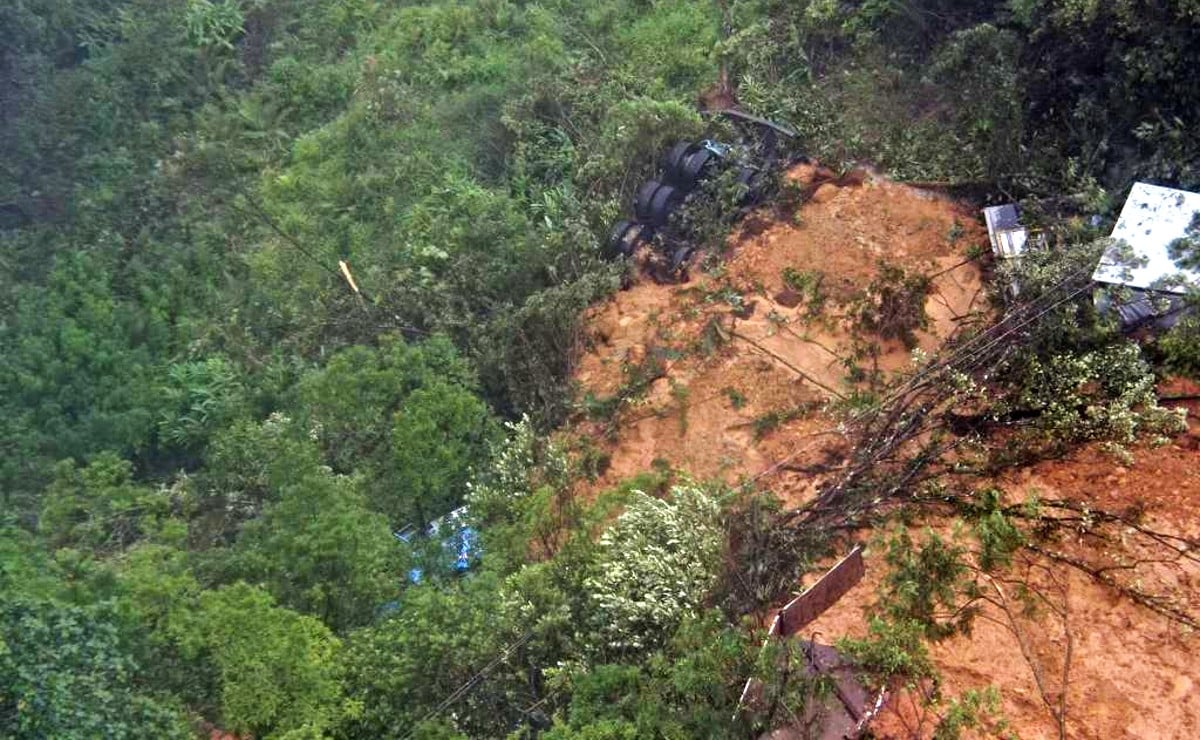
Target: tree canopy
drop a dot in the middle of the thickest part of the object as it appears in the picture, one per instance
(282, 278)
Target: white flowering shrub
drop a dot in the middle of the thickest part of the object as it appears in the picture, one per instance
(657, 563)
(520, 464)
(1107, 394)
(507, 480)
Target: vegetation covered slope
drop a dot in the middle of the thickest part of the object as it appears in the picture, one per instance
(207, 434)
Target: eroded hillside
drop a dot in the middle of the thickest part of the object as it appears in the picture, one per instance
(739, 375)
(730, 373)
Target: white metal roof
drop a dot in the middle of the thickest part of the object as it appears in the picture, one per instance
(1152, 218)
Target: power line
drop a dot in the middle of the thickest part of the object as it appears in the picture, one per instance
(993, 335)
(967, 352)
(469, 685)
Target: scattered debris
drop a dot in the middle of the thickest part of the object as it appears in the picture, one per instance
(801, 265)
(848, 711)
(826, 592)
(1143, 281)
(459, 547)
(746, 416)
(685, 167)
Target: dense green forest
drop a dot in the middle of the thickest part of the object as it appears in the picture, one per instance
(208, 436)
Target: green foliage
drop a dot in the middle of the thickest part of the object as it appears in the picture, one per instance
(510, 478)
(277, 669)
(99, 508)
(1075, 374)
(977, 69)
(736, 398)
(1180, 347)
(212, 24)
(435, 641)
(688, 688)
(438, 436)
(25, 568)
(246, 468)
(893, 304)
(75, 372)
(1101, 86)
(1070, 325)
(656, 565)
(998, 537)
(978, 710)
(523, 496)
(766, 423)
(930, 593)
(892, 651)
(321, 551)
(1108, 394)
(1134, 94)
(808, 284)
(926, 585)
(352, 397)
(405, 415)
(180, 182)
(527, 352)
(156, 586)
(200, 398)
(64, 673)
(155, 591)
(687, 29)
(765, 556)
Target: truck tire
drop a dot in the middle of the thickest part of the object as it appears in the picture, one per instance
(645, 196)
(675, 157)
(623, 239)
(680, 257)
(693, 169)
(748, 176)
(666, 199)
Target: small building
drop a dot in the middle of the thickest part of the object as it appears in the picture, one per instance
(1007, 234)
(1142, 281)
(1009, 237)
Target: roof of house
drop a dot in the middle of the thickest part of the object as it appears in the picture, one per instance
(1003, 217)
(1153, 217)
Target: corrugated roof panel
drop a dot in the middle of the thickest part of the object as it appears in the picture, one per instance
(1002, 217)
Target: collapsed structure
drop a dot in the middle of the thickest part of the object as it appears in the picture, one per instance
(684, 168)
(1145, 283)
(1140, 275)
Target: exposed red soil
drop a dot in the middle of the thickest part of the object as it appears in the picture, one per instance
(1133, 673)
(723, 366)
(732, 352)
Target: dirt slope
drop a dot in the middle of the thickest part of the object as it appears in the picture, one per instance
(728, 376)
(741, 369)
(1131, 673)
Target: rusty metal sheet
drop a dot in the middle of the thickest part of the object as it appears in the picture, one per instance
(773, 631)
(840, 715)
(845, 715)
(823, 594)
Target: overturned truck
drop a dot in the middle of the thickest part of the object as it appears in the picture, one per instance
(684, 169)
